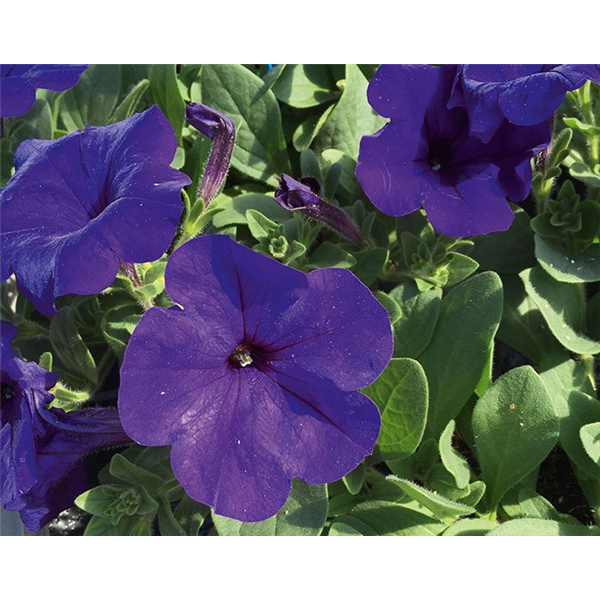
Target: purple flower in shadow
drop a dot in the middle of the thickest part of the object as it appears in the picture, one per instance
(524, 95)
(41, 448)
(303, 196)
(18, 84)
(253, 377)
(426, 157)
(79, 204)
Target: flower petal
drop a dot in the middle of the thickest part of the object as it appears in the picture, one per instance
(532, 100)
(241, 458)
(238, 284)
(472, 207)
(402, 91)
(388, 170)
(168, 369)
(326, 335)
(85, 265)
(16, 97)
(54, 77)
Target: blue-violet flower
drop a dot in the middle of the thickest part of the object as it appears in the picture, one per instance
(18, 84)
(252, 376)
(78, 205)
(426, 157)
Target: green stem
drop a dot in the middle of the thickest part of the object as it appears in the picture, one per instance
(55, 111)
(595, 150)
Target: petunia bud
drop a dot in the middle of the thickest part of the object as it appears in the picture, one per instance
(221, 130)
(303, 196)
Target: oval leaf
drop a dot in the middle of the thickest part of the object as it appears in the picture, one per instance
(401, 394)
(515, 427)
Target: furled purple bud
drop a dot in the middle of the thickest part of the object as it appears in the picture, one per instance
(221, 130)
(303, 196)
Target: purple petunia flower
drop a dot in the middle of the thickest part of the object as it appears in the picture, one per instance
(79, 204)
(221, 130)
(524, 95)
(425, 156)
(41, 448)
(303, 196)
(18, 84)
(252, 378)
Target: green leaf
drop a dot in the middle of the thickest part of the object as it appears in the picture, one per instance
(123, 469)
(582, 172)
(561, 375)
(476, 493)
(131, 74)
(534, 506)
(401, 394)
(260, 226)
(260, 149)
(165, 91)
(590, 438)
(486, 377)
(46, 361)
(420, 312)
(393, 308)
(523, 327)
(441, 507)
(459, 349)
(563, 308)
(37, 123)
(130, 103)
(515, 427)
(309, 165)
(576, 411)
(148, 505)
(129, 526)
(389, 518)
(234, 210)
(342, 504)
(351, 118)
(559, 149)
(304, 513)
(542, 527)
(470, 527)
(93, 100)
(308, 130)
(509, 251)
(118, 324)
(348, 525)
(369, 264)
(97, 500)
(585, 128)
(167, 523)
(438, 479)
(303, 86)
(583, 267)
(190, 515)
(349, 188)
(459, 268)
(70, 348)
(451, 459)
(331, 255)
(355, 479)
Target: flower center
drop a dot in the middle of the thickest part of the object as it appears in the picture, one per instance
(7, 392)
(435, 164)
(241, 357)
